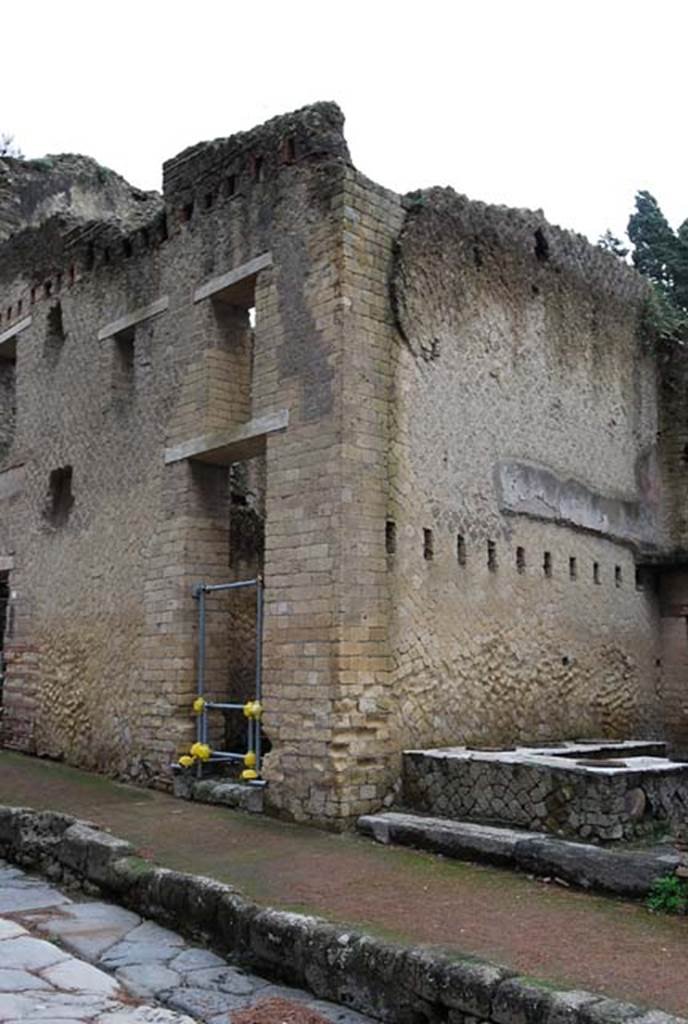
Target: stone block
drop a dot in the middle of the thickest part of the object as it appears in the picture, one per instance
(453, 838)
(626, 873)
(91, 853)
(277, 938)
(472, 987)
(519, 1002)
(608, 1011)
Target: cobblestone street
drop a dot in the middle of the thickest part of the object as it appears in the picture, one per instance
(91, 962)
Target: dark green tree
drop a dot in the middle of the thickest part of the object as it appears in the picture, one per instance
(661, 255)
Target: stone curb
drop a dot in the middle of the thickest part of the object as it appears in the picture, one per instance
(403, 985)
(621, 872)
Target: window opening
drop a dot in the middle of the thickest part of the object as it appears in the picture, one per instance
(123, 365)
(60, 497)
(55, 334)
(521, 559)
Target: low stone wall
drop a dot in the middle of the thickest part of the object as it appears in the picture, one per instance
(395, 984)
(551, 796)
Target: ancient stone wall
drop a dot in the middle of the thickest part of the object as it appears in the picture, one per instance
(445, 417)
(523, 479)
(108, 539)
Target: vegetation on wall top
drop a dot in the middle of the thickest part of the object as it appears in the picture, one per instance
(661, 255)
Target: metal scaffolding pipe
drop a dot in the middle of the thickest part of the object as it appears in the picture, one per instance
(211, 588)
(200, 591)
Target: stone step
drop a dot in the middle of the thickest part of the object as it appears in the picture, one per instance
(622, 872)
(241, 796)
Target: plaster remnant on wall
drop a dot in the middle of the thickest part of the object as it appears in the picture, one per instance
(526, 489)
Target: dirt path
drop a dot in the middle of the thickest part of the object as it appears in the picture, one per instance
(558, 935)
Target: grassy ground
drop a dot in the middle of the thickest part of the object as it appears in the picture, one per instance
(550, 933)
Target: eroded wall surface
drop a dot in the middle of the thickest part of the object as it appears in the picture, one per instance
(524, 481)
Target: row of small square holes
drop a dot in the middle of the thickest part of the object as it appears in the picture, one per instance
(257, 167)
(461, 557)
(47, 291)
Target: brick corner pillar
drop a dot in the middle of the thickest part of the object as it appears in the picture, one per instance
(326, 657)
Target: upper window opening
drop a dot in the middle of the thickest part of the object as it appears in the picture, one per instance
(55, 334)
(60, 497)
(123, 368)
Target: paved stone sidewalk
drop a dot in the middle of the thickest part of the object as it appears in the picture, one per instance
(106, 965)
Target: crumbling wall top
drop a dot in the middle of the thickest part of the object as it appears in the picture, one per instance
(314, 132)
(32, 191)
(451, 238)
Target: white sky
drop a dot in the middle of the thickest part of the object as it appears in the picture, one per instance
(568, 106)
